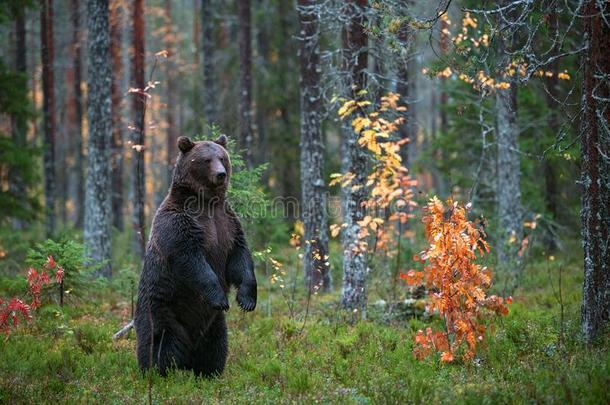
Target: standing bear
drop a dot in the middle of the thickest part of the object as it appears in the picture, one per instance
(196, 251)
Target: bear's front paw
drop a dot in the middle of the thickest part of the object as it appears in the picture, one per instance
(246, 296)
(218, 300)
(222, 305)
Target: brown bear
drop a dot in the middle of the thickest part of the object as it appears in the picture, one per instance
(195, 252)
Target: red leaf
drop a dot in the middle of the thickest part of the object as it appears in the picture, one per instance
(59, 276)
(50, 264)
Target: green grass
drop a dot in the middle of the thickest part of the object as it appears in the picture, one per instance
(68, 355)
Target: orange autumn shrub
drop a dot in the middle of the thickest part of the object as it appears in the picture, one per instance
(458, 285)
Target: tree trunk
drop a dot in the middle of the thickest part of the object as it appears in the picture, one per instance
(354, 295)
(313, 190)
(18, 121)
(440, 184)
(377, 83)
(245, 75)
(138, 106)
(116, 34)
(98, 201)
(263, 49)
(405, 87)
(62, 140)
(551, 194)
(170, 68)
(595, 146)
(508, 173)
(33, 41)
(444, 40)
(48, 89)
(209, 78)
(283, 106)
(197, 31)
(77, 135)
(508, 192)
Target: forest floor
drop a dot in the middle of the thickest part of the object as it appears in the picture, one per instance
(68, 355)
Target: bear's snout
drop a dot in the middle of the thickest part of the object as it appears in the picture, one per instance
(218, 173)
(220, 177)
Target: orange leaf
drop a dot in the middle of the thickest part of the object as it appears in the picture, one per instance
(412, 277)
(446, 357)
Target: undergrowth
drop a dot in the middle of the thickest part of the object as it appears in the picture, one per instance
(532, 355)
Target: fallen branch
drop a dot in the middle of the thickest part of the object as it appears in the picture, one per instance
(124, 331)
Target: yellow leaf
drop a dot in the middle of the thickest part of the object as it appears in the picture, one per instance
(334, 230)
(164, 53)
(359, 123)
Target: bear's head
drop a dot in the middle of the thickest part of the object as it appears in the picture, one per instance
(203, 167)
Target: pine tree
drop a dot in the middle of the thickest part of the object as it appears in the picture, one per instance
(98, 188)
(17, 168)
(355, 268)
(207, 49)
(508, 170)
(116, 31)
(313, 203)
(19, 121)
(245, 76)
(595, 146)
(406, 88)
(170, 68)
(77, 134)
(138, 133)
(48, 89)
(551, 192)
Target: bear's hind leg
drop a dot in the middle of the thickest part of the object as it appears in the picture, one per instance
(168, 351)
(211, 350)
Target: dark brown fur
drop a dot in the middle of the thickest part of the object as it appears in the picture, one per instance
(196, 251)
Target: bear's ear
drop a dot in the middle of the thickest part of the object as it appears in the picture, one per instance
(185, 144)
(222, 140)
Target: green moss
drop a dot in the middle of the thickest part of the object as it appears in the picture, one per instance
(67, 355)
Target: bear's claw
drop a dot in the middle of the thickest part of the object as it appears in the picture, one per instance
(246, 304)
(219, 302)
(246, 297)
(222, 306)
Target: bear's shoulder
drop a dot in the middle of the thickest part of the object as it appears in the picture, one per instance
(174, 232)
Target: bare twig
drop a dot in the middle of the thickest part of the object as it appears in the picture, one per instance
(124, 331)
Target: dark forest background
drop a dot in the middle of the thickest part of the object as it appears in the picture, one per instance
(503, 108)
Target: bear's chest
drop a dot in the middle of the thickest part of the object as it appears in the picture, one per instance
(218, 238)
